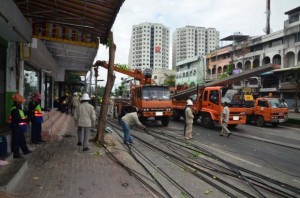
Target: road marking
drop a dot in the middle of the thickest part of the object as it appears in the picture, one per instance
(297, 181)
(236, 157)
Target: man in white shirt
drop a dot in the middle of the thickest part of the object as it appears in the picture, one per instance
(225, 120)
(128, 121)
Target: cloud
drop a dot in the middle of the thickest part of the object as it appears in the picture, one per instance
(227, 16)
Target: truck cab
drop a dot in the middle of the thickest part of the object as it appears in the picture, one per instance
(207, 107)
(268, 110)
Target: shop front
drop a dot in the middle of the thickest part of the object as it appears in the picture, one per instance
(3, 47)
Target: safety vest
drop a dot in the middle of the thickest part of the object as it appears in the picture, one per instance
(21, 113)
(38, 114)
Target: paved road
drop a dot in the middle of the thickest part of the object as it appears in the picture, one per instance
(76, 174)
(274, 148)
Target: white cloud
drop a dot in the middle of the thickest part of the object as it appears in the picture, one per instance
(227, 16)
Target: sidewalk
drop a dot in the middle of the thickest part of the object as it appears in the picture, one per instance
(294, 118)
(64, 170)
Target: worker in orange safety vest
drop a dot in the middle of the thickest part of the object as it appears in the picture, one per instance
(18, 124)
(36, 118)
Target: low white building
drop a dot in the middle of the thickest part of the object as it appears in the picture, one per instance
(160, 75)
(191, 71)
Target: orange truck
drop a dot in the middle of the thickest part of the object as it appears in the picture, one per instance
(152, 101)
(267, 110)
(207, 106)
(209, 98)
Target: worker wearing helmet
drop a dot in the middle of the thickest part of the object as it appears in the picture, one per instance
(74, 103)
(18, 124)
(224, 120)
(85, 116)
(36, 118)
(64, 103)
(189, 118)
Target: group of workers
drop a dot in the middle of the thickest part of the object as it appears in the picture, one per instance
(189, 119)
(18, 122)
(68, 103)
(84, 114)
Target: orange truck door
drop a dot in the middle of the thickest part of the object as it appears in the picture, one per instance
(263, 109)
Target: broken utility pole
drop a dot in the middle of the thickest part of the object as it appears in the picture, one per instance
(109, 85)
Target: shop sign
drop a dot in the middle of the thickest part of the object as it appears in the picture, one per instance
(268, 89)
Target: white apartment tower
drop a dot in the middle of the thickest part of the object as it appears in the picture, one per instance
(191, 41)
(149, 47)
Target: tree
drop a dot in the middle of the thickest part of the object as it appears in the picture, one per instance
(100, 91)
(192, 84)
(228, 72)
(170, 81)
(230, 69)
(119, 90)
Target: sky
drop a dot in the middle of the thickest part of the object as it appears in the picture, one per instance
(227, 16)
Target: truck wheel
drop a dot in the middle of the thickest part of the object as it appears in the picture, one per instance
(196, 118)
(260, 121)
(165, 121)
(207, 122)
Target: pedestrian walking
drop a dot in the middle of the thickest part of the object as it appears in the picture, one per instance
(225, 120)
(75, 102)
(128, 121)
(189, 118)
(86, 117)
(36, 118)
(18, 125)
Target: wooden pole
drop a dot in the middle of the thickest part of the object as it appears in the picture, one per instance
(109, 85)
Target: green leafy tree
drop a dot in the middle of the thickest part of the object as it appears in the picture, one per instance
(119, 90)
(229, 70)
(192, 84)
(100, 91)
(170, 81)
(122, 66)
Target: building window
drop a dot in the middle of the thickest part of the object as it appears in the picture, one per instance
(276, 43)
(297, 37)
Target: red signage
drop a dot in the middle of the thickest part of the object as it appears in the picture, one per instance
(157, 49)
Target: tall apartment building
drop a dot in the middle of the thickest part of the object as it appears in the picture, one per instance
(149, 47)
(191, 41)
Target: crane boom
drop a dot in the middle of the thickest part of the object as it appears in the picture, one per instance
(229, 80)
(136, 74)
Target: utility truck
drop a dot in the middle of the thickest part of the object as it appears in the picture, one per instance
(152, 101)
(208, 99)
(262, 110)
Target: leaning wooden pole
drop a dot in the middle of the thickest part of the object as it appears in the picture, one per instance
(109, 85)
